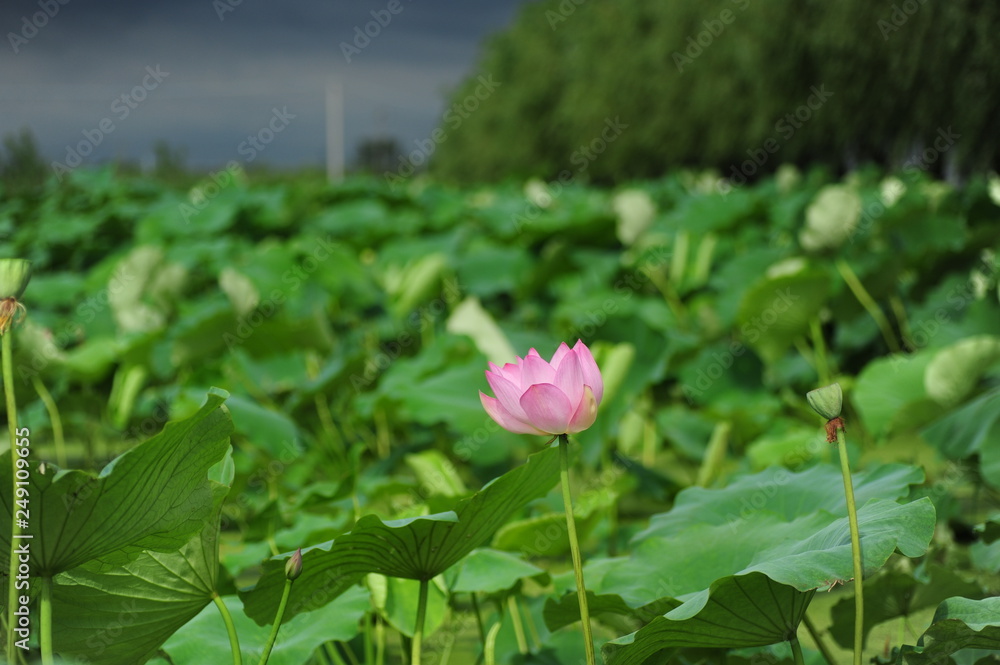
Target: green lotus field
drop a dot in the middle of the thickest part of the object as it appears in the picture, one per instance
(302, 423)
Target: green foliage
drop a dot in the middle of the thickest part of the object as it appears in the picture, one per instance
(732, 84)
(352, 324)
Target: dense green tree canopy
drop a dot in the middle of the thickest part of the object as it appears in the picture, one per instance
(610, 90)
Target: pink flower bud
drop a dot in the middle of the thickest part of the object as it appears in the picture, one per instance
(293, 567)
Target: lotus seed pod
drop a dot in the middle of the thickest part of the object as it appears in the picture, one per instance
(827, 401)
(14, 276)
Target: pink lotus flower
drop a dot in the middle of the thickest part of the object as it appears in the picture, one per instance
(538, 397)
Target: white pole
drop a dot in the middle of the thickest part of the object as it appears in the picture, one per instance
(334, 132)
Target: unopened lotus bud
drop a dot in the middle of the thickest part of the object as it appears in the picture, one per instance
(14, 277)
(293, 567)
(827, 401)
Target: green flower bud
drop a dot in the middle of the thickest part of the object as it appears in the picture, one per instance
(14, 276)
(827, 401)
(293, 567)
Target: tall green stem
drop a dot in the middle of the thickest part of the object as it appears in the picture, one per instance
(277, 623)
(866, 300)
(796, 651)
(418, 630)
(234, 642)
(515, 617)
(15, 530)
(45, 618)
(574, 548)
(819, 349)
(57, 428)
(818, 640)
(491, 644)
(852, 516)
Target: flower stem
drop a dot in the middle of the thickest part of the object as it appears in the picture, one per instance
(15, 530)
(818, 640)
(418, 630)
(796, 651)
(515, 617)
(234, 642)
(369, 638)
(45, 619)
(479, 620)
(852, 516)
(57, 428)
(866, 300)
(277, 623)
(491, 644)
(574, 548)
(819, 350)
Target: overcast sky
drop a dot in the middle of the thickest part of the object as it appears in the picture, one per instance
(211, 73)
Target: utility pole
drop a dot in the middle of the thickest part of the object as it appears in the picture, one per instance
(334, 132)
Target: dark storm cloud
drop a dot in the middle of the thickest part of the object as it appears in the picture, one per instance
(206, 75)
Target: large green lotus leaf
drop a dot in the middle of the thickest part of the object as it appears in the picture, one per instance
(153, 496)
(959, 623)
(417, 283)
(486, 269)
(797, 543)
(93, 360)
(415, 548)
(538, 535)
(436, 474)
(143, 289)
(437, 385)
(990, 529)
(968, 428)
(469, 318)
(488, 571)
(204, 638)
(809, 552)
(710, 213)
(989, 459)
(955, 370)
(886, 385)
(784, 493)
(270, 430)
(604, 607)
(149, 598)
(896, 593)
(744, 610)
(777, 310)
